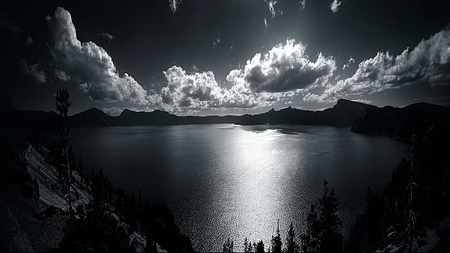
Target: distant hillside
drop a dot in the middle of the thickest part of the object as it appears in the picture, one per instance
(92, 118)
(400, 122)
(28, 119)
(363, 118)
(343, 114)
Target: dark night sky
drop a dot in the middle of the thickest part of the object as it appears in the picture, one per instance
(224, 56)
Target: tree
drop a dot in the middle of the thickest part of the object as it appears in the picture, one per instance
(276, 241)
(310, 239)
(291, 244)
(228, 246)
(330, 230)
(323, 225)
(65, 160)
(260, 247)
(248, 248)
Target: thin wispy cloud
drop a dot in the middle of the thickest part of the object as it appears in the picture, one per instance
(32, 70)
(107, 36)
(334, 6)
(18, 32)
(302, 4)
(174, 5)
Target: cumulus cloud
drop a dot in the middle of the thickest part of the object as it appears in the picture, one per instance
(334, 6)
(33, 70)
(264, 80)
(427, 64)
(89, 65)
(200, 91)
(174, 5)
(286, 67)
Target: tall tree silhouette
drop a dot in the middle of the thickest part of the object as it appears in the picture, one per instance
(66, 160)
(330, 236)
(323, 232)
(291, 244)
(310, 239)
(276, 240)
(228, 246)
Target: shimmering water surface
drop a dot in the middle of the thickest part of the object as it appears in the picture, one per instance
(227, 181)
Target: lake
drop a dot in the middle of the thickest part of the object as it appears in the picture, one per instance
(227, 181)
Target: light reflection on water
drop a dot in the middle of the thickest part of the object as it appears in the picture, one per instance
(225, 181)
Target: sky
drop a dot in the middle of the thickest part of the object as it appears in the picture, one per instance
(204, 57)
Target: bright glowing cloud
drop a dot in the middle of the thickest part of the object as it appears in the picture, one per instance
(286, 67)
(427, 64)
(89, 65)
(265, 79)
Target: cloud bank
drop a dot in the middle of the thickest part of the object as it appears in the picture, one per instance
(286, 67)
(427, 64)
(281, 74)
(265, 79)
(89, 65)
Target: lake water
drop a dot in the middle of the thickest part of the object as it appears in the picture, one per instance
(226, 181)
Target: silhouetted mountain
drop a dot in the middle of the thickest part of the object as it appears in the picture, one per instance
(92, 118)
(157, 117)
(343, 114)
(400, 122)
(28, 119)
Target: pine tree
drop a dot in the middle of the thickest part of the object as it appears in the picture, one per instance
(291, 244)
(259, 247)
(310, 239)
(411, 230)
(66, 160)
(330, 237)
(276, 241)
(248, 248)
(323, 225)
(228, 246)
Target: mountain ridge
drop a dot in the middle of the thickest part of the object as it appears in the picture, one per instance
(362, 118)
(343, 114)
(401, 123)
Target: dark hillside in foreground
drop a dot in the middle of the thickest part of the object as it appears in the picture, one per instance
(412, 213)
(34, 214)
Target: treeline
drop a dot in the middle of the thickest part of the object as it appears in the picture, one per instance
(323, 231)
